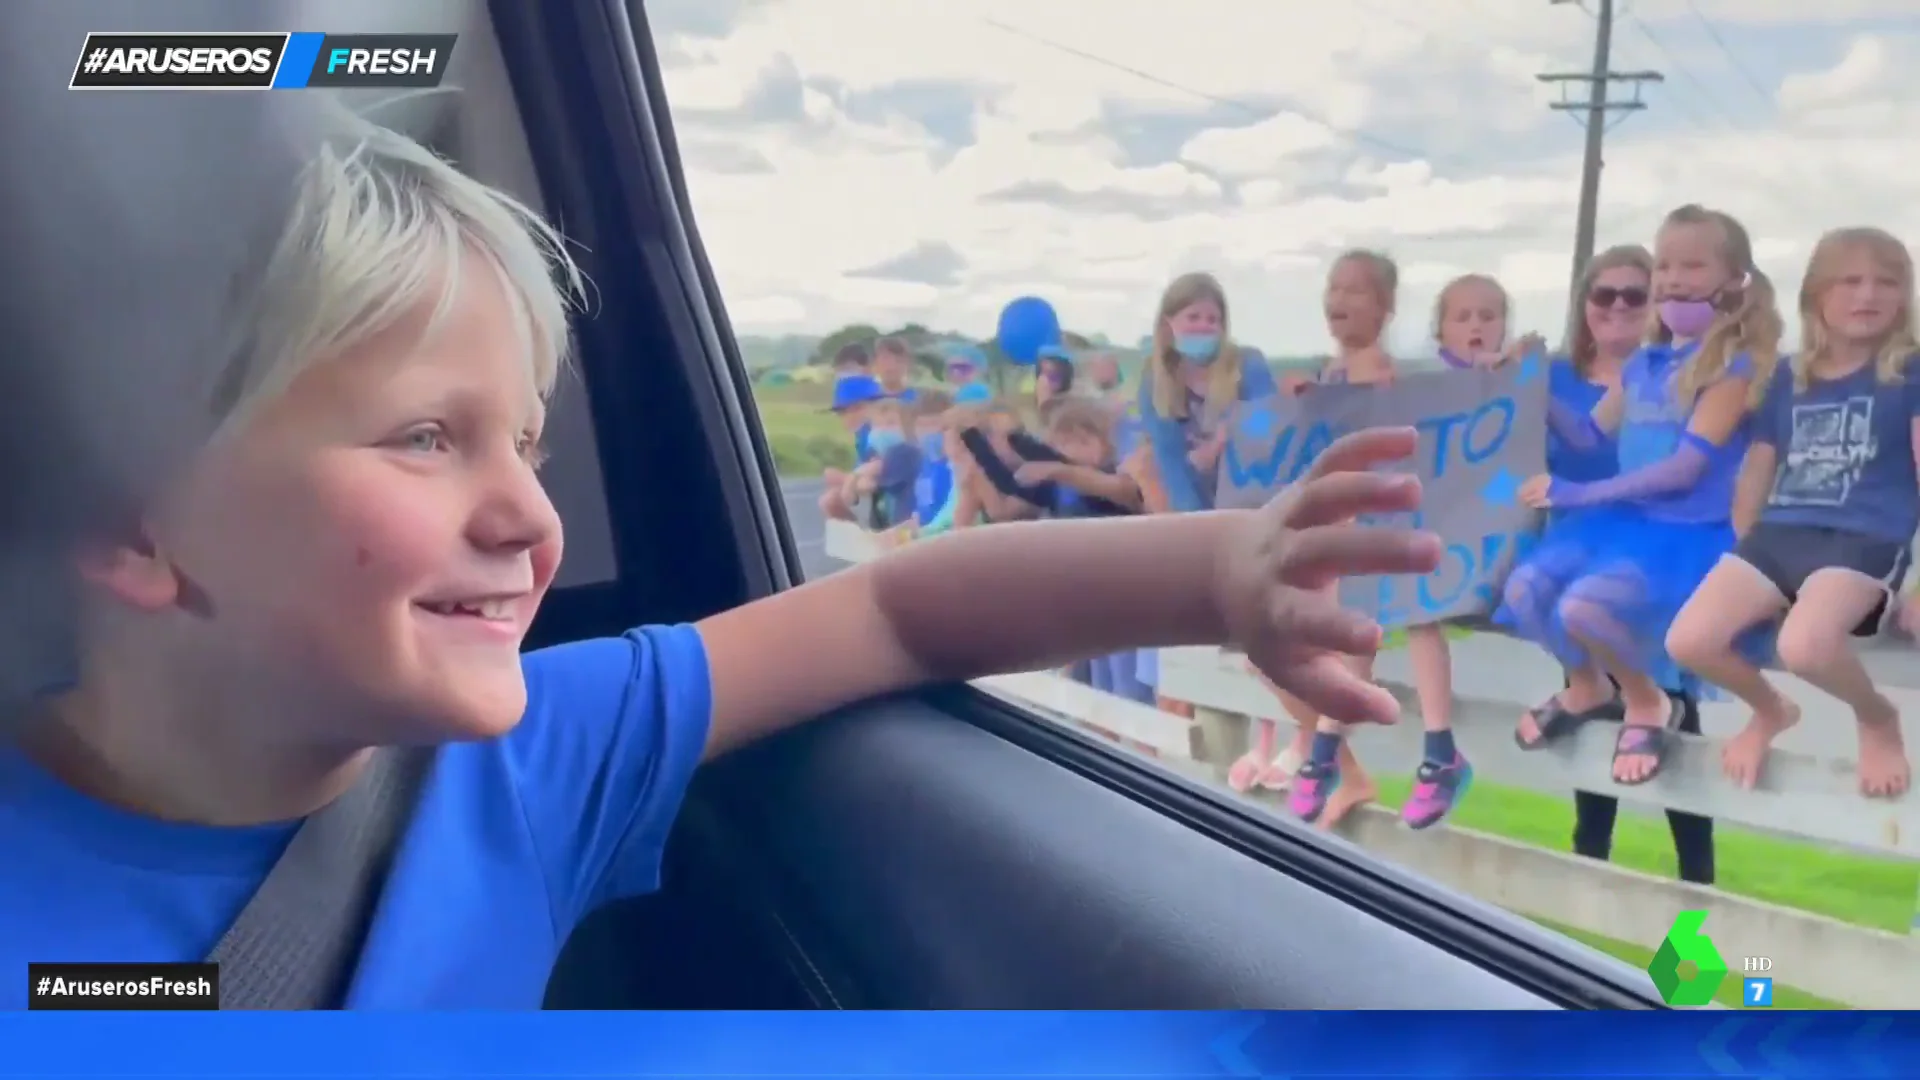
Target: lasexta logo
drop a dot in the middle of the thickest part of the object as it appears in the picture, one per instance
(1687, 969)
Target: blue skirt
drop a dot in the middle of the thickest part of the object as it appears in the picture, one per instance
(1630, 574)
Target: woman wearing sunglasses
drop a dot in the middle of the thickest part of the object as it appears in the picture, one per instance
(1615, 289)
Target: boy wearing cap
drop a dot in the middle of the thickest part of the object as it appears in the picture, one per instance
(853, 396)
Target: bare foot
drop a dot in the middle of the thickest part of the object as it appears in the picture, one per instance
(1278, 774)
(1353, 793)
(1244, 772)
(1746, 752)
(1884, 771)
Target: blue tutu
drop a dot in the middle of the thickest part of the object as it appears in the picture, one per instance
(1620, 576)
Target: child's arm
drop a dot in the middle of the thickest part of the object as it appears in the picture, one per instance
(1588, 430)
(1030, 597)
(1114, 487)
(1139, 467)
(1716, 414)
(1756, 480)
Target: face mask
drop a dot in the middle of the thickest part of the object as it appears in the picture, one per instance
(882, 440)
(1687, 318)
(1199, 348)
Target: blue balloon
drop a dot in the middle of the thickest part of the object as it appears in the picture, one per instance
(1027, 325)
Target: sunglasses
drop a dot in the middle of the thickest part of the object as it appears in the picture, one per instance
(1606, 296)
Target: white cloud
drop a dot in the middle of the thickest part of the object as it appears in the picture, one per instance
(1096, 162)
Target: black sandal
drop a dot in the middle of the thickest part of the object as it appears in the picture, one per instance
(1640, 740)
(1555, 721)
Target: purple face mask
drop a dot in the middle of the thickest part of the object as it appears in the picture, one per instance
(1687, 318)
(1692, 318)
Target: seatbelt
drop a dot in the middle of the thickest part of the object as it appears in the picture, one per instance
(297, 942)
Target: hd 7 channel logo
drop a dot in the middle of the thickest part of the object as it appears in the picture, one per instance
(260, 61)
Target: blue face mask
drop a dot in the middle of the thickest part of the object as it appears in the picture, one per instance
(881, 440)
(1199, 348)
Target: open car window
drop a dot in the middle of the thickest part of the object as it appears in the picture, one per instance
(874, 186)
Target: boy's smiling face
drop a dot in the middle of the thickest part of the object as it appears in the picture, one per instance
(374, 540)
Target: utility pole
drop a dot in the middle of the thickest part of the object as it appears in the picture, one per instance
(1598, 112)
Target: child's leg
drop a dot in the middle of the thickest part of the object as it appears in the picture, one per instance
(1593, 818)
(1814, 644)
(1277, 766)
(1245, 770)
(1732, 600)
(1587, 611)
(1332, 781)
(1692, 833)
(1443, 775)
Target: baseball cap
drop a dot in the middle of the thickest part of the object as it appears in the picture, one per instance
(855, 390)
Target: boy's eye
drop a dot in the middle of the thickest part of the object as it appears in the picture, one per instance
(425, 439)
(532, 451)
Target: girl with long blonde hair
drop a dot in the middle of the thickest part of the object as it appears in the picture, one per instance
(1832, 510)
(1195, 376)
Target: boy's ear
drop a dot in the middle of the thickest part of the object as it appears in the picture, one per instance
(131, 570)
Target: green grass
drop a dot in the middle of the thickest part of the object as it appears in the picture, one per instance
(1864, 891)
(805, 438)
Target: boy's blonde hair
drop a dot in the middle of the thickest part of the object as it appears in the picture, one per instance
(1081, 416)
(1583, 348)
(1163, 365)
(1753, 326)
(381, 226)
(1445, 299)
(1823, 272)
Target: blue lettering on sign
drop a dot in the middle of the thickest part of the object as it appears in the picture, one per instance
(1465, 568)
(1486, 430)
(1286, 461)
(1481, 433)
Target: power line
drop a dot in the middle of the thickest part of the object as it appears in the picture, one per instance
(1351, 135)
(1724, 115)
(1714, 33)
(1598, 111)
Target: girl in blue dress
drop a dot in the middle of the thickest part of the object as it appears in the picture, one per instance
(1604, 586)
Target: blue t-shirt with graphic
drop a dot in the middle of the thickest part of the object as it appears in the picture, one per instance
(513, 842)
(1655, 423)
(1573, 390)
(1843, 453)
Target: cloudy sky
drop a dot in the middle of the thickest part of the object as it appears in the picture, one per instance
(928, 160)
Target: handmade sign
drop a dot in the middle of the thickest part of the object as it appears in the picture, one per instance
(1483, 433)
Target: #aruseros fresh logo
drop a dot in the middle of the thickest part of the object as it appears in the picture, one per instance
(1685, 944)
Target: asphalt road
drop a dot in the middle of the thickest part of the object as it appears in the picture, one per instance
(809, 527)
(1493, 668)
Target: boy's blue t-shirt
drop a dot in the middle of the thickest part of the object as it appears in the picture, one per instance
(1569, 388)
(1843, 453)
(513, 842)
(935, 480)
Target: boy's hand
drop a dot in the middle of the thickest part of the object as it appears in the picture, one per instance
(1277, 584)
(1035, 473)
(1910, 615)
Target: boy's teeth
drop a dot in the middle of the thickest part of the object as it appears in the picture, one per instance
(483, 609)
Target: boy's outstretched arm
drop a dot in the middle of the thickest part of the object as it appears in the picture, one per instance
(1031, 596)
